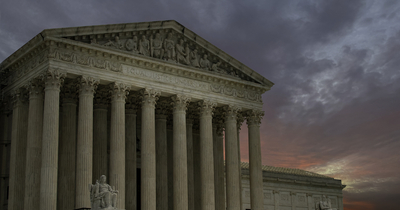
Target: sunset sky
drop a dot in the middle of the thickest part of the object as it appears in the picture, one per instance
(335, 105)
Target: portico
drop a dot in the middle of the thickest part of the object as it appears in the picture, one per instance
(88, 101)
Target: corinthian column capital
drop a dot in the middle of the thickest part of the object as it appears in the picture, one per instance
(163, 108)
(35, 88)
(119, 91)
(53, 78)
(87, 85)
(207, 107)
(180, 102)
(231, 112)
(19, 97)
(149, 96)
(254, 117)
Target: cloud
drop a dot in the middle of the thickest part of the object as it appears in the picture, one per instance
(334, 106)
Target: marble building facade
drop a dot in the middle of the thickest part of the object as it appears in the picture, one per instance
(149, 105)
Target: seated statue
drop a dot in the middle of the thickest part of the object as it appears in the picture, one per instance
(324, 204)
(102, 196)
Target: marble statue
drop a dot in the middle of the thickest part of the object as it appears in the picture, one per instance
(324, 204)
(156, 47)
(144, 46)
(169, 47)
(131, 44)
(93, 41)
(215, 67)
(102, 196)
(117, 43)
(194, 60)
(187, 51)
(180, 52)
(205, 63)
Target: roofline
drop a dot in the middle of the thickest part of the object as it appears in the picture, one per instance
(125, 27)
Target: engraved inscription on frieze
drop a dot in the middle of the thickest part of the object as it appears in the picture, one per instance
(129, 70)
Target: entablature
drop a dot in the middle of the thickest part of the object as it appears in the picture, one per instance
(131, 66)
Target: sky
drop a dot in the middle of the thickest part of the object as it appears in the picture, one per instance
(335, 105)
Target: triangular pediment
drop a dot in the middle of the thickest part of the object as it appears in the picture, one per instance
(167, 41)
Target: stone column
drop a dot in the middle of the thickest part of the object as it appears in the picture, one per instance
(276, 199)
(231, 158)
(67, 149)
(48, 173)
(256, 179)
(100, 134)
(18, 150)
(170, 134)
(310, 202)
(130, 152)
(196, 166)
(240, 120)
(219, 172)
(206, 155)
(161, 156)
(293, 200)
(180, 196)
(340, 202)
(117, 140)
(190, 166)
(5, 152)
(148, 151)
(84, 154)
(34, 145)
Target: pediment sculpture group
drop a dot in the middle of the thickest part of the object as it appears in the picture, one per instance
(166, 49)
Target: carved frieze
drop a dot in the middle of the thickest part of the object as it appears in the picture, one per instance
(236, 92)
(161, 77)
(78, 58)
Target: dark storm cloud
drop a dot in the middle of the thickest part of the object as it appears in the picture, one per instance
(334, 108)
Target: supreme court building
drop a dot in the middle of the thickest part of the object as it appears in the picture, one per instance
(150, 106)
